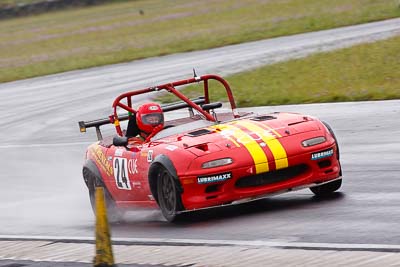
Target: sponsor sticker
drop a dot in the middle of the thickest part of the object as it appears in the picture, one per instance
(132, 166)
(119, 152)
(214, 178)
(102, 160)
(137, 184)
(322, 154)
(150, 156)
(153, 108)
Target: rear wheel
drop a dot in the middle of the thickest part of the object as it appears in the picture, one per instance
(326, 189)
(114, 214)
(168, 197)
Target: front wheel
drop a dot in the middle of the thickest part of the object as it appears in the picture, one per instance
(326, 189)
(168, 197)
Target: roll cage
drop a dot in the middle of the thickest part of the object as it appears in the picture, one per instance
(200, 104)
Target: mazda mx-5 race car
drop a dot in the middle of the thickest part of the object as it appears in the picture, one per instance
(206, 156)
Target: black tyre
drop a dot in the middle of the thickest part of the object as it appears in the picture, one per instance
(337, 146)
(334, 137)
(114, 214)
(326, 189)
(168, 197)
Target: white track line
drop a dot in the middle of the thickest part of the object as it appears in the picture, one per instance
(7, 146)
(204, 242)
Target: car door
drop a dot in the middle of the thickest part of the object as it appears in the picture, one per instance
(122, 184)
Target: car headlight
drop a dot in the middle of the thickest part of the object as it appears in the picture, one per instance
(217, 163)
(313, 141)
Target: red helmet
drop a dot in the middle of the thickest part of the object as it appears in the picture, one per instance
(149, 116)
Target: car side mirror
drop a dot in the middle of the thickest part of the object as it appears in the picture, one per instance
(120, 141)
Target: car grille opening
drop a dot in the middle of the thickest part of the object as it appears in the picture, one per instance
(271, 177)
(212, 188)
(324, 163)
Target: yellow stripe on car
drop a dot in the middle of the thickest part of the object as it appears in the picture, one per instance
(261, 125)
(256, 152)
(270, 140)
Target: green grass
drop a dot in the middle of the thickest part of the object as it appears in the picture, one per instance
(14, 3)
(364, 72)
(120, 32)
(10, 3)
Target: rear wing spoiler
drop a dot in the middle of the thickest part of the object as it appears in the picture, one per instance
(83, 125)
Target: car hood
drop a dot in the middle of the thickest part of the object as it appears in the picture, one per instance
(244, 133)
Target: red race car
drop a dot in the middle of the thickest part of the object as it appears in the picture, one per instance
(205, 157)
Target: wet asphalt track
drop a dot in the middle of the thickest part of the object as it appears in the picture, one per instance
(41, 151)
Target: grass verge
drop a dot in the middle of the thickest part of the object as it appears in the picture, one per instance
(124, 31)
(363, 72)
(10, 3)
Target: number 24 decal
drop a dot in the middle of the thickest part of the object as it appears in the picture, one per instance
(121, 173)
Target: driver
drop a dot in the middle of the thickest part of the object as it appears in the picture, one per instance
(148, 117)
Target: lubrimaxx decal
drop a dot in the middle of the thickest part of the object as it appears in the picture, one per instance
(322, 154)
(214, 178)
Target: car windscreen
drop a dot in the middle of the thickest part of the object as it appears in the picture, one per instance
(183, 128)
